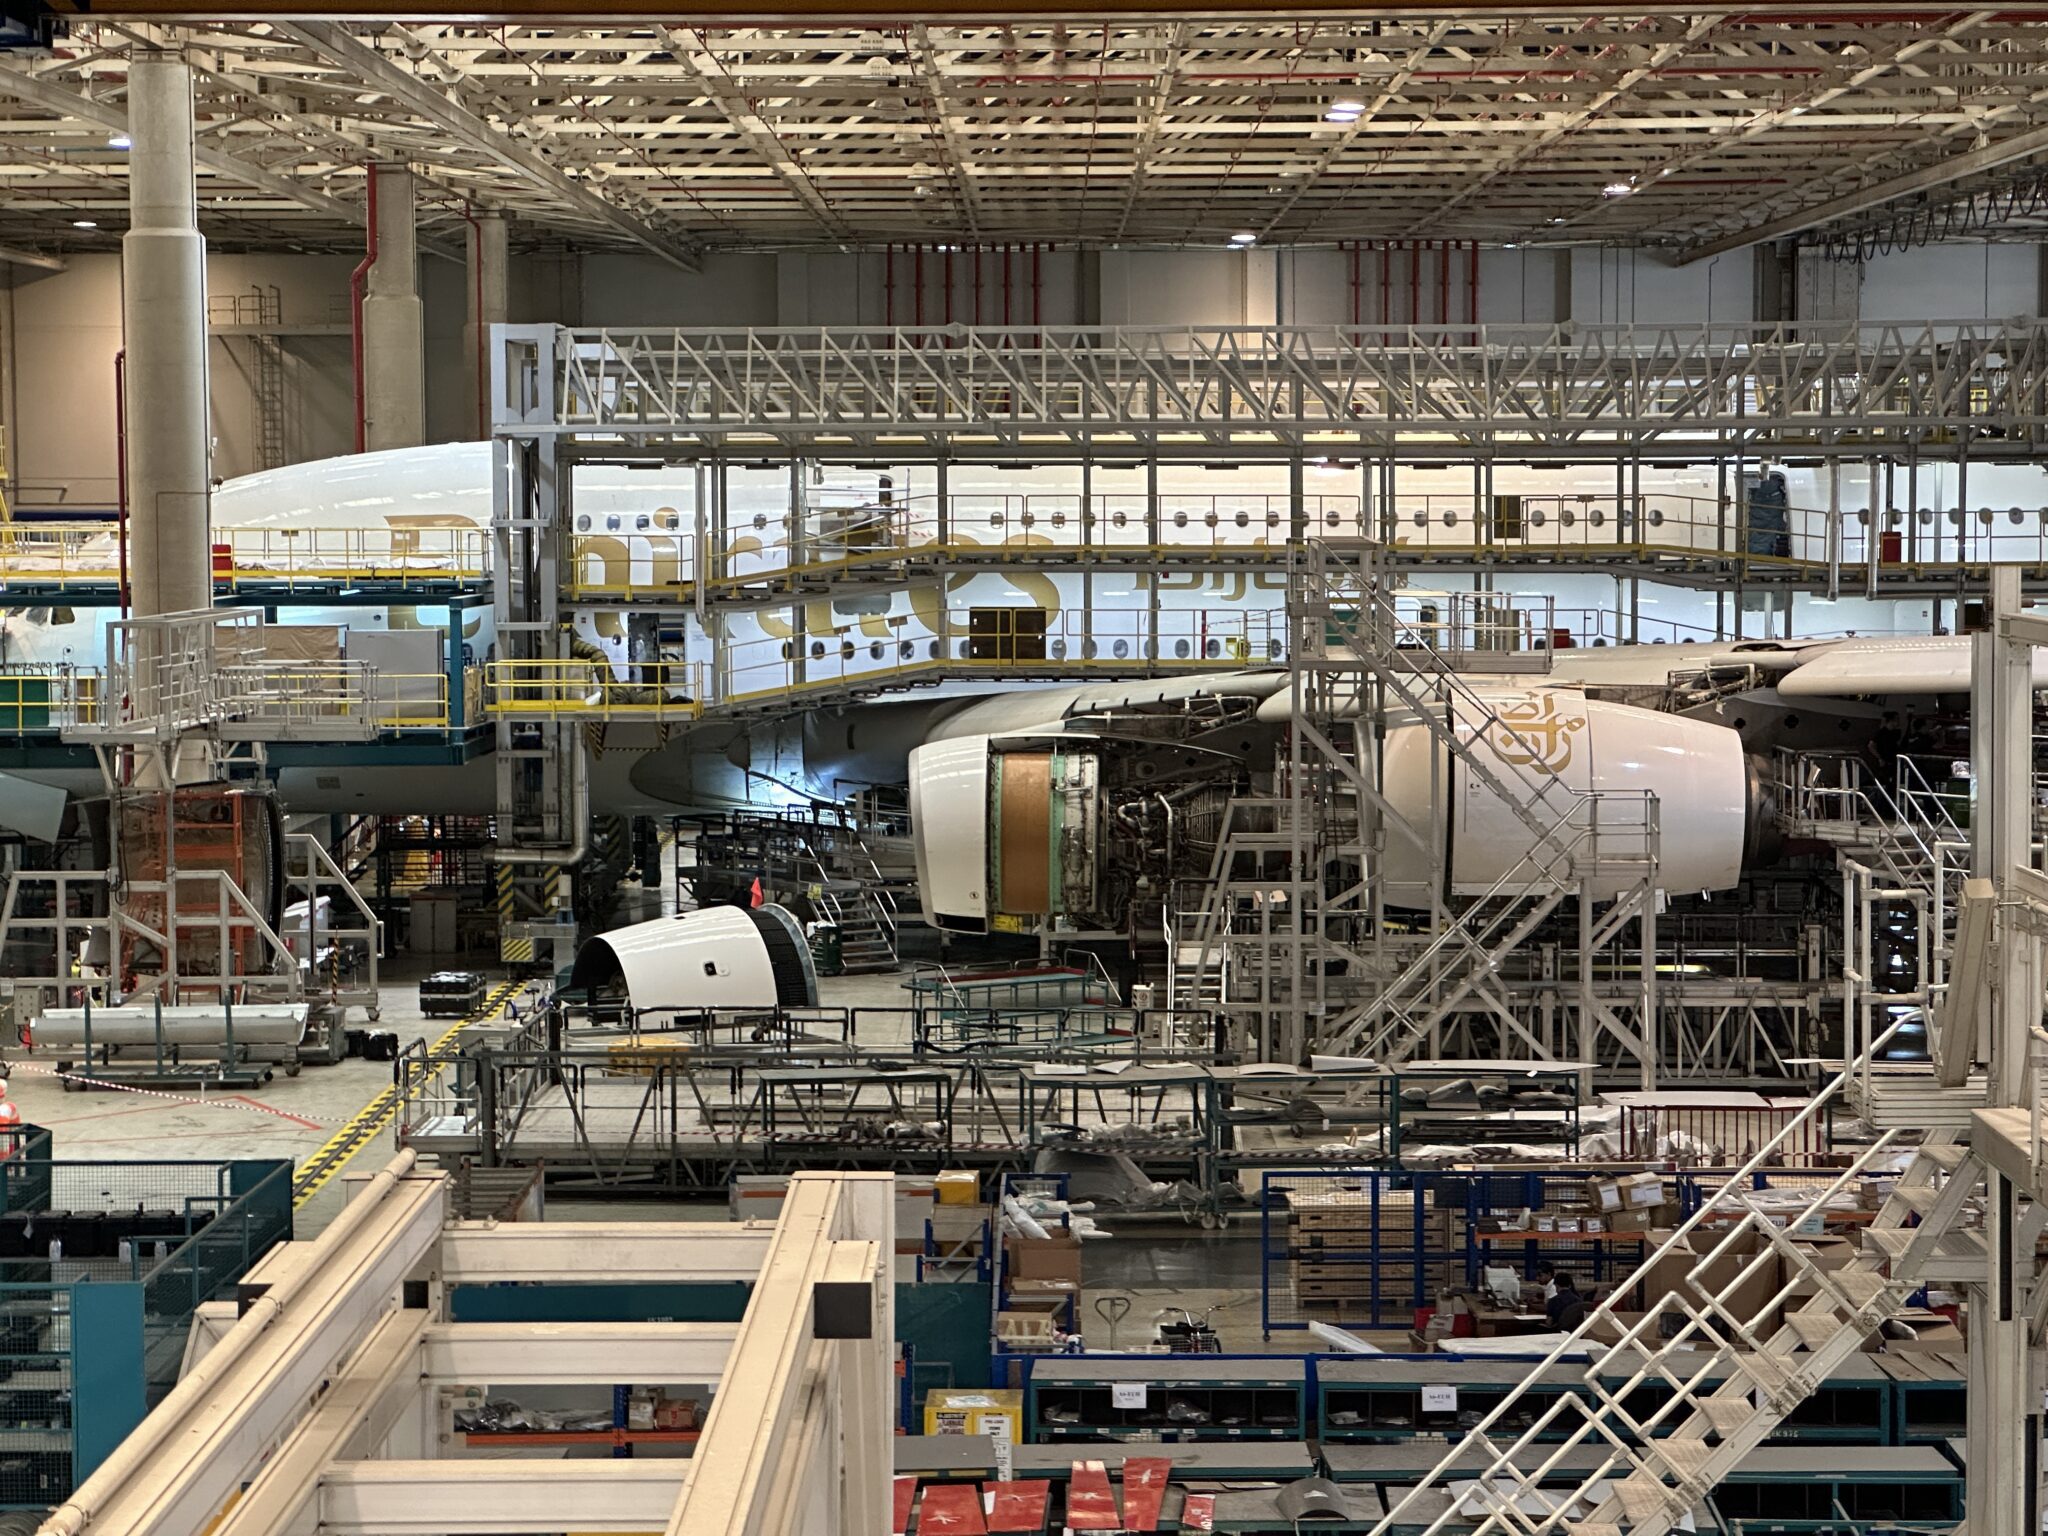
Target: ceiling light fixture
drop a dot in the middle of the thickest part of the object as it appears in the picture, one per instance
(118, 141)
(1618, 189)
(1243, 238)
(1345, 109)
(85, 223)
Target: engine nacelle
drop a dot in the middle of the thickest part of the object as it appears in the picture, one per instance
(715, 957)
(1554, 747)
(1006, 827)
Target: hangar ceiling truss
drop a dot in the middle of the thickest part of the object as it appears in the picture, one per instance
(1677, 130)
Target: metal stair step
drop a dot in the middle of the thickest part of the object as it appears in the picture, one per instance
(1685, 1454)
(1862, 1286)
(1920, 1199)
(1767, 1369)
(1816, 1327)
(1947, 1155)
(1727, 1413)
(1642, 1497)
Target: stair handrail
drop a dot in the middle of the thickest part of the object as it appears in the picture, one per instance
(1365, 1019)
(1371, 595)
(1573, 1342)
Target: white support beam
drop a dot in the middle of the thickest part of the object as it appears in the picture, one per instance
(783, 1374)
(2021, 146)
(612, 1253)
(15, 256)
(439, 106)
(360, 1408)
(575, 1354)
(497, 1498)
(176, 1472)
(23, 86)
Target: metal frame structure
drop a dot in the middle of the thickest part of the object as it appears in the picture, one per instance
(969, 137)
(322, 1397)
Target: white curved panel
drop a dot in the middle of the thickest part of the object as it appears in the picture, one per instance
(949, 831)
(1562, 747)
(713, 958)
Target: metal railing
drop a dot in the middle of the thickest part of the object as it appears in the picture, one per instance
(52, 556)
(594, 690)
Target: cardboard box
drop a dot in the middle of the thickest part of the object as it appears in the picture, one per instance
(975, 1411)
(1044, 1258)
(960, 1186)
(1670, 1275)
(1628, 1191)
(1917, 1330)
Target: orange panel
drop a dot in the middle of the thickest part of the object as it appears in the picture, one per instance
(1025, 827)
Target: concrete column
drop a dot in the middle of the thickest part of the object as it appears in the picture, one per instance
(394, 344)
(163, 312)
(487, 305)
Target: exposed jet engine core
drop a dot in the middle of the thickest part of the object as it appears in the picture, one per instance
(1016, 830)
(1065, 825)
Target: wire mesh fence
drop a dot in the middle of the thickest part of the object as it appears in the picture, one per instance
(101, 1268)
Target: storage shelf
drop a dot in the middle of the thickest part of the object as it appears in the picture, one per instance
(583, 1437)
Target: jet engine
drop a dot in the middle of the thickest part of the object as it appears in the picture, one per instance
(1010, 831)
(1583, 770)
(1067, 824)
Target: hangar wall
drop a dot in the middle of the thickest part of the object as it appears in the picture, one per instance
(62, 329)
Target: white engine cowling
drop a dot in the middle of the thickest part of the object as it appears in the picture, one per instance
(1556, 747)
(715, 957)
(1004, 828)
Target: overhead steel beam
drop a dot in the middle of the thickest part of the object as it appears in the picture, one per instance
(439, 107)
(617, 1253)
(820, 12)
(21, 258)
(2019, 147)
(22, 86)
(575, 1354)
(429, 1498)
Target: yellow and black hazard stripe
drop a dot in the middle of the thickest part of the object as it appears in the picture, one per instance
(369, 1122)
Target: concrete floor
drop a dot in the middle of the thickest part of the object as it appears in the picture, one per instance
(286, 1117)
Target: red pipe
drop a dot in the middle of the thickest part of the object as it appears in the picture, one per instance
(476, 233)
(917, 283)
(1415, 282)
(1037, 282)
(121, 466)
(889, 285)
(356, 283)
(1472, 281)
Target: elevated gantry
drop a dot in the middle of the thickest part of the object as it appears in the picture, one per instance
(315, 1403)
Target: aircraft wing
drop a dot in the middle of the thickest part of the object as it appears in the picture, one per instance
(1904, 665)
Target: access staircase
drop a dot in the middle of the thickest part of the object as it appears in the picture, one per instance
(1756, 1322)
(1578, 840)
(823, 860)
